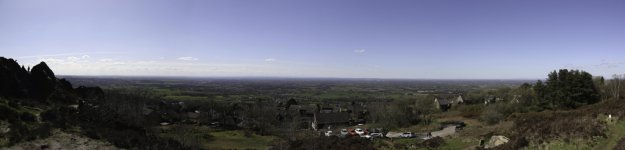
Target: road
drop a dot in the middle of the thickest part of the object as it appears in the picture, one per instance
(445, 132)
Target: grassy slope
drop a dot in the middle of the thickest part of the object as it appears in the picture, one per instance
(616, 131)
(579, 138)
(237, 140)
(218, 139)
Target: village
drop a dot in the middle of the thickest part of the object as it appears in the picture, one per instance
(343, 120)
(349, 120)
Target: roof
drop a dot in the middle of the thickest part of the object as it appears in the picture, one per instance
(302, 107)
(336, 117)
(356, 108)
(443, 102)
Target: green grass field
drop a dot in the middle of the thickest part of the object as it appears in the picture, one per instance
(209, 138)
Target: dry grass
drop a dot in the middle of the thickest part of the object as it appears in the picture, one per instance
(585, 124)
(620, 145)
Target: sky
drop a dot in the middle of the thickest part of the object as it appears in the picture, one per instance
(414, 39)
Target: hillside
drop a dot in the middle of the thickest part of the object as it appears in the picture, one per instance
(37, 107)
(39, 110)
(588, 127)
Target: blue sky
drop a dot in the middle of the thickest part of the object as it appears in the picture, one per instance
(426, 39)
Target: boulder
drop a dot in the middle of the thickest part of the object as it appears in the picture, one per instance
(496, 141)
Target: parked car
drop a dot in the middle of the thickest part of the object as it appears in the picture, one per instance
(366, 136)
(359, 131)
(351, 132)
(376, 135)
(214, 124)
(407, 135)
(329, 133)
(344, 132)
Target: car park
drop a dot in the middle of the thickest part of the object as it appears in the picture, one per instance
(329, 133)
(376, 135)
(359, 131)
(407, 135)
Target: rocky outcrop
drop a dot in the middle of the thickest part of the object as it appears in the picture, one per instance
(496, 141)
(14, 79)
(39, 83)
(43, 81)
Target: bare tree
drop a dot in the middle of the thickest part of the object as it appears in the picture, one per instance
(616, 86)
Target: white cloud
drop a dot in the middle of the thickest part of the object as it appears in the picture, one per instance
(53, 60)
(82, 54)
(76, 65)
(72, 58)
(359, 51)
(118, 63)
(187, 58)
(105, 60)
(609, 64)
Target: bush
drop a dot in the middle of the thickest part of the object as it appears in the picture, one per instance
(14, 104)
(494, 113)
(491, 115)
(247, 133)
(433, 143)
(471, 111)
(19, 132)
(331, 143)
(28, 117)
(43, 131)
(8, 113)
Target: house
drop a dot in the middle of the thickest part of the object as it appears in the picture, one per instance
(322, 120)
(515, 99)
(303, 109)
(492, 99)
(442, 104)
(300, 114)
(358, 112)
(459, 100)
(327, 110)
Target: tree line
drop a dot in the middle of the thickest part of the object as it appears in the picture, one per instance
(567, 89)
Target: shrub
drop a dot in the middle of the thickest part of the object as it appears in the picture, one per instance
(28, 117)
(471, 111)
(43, 131)
(8, 113)
(331, 143)
(14, 104)
(18, 132)
(433, 143)
(491, 115)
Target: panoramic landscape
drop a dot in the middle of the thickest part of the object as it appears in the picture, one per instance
(310, 75)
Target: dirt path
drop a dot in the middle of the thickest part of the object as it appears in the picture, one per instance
(620, 145)
(445, 132)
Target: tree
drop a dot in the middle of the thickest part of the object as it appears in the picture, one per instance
(539, 88)
(291, 102)
(615, 85)
(568, 89)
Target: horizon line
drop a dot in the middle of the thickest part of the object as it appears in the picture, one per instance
(292, 77)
